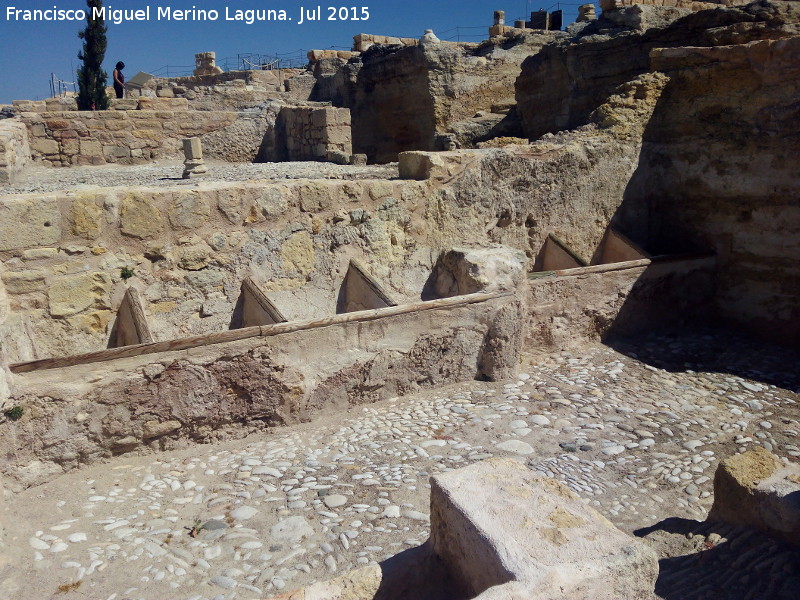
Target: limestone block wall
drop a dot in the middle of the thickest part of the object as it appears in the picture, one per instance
(363, 41)
(309, 133)
(136, 136)
(189, 250)
(15, 151)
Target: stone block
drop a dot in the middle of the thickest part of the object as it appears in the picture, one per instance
(298, 254)
(193, 148)
(195, 257)
(75, 293)
(23, 282)
(188, 212)
(28, 224)
(45, 146)
(470, 270)
(140, 218)
(86, 218)
(756, 489)
(171, 104)
(358, 584)
(154, 429)
(315, 197)
(420, 165)
(39, 253)
(497, 522)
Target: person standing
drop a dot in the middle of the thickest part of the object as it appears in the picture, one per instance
(119, 80)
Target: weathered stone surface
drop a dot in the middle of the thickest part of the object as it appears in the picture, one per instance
(189, 212)
(75, 293)
(756, 489)
(153, 429)
(722, 186)
(469, 270)
(496, 521)
(21, 282)
(564, 82)
(317, 196)
(140, 218)
(291, 530)
(402, 98)
(195, 257)
(86, 218)
(298, 253)
(15, 151)
(419, 165)
(29, 223)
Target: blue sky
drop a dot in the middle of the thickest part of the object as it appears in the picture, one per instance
(33, 50)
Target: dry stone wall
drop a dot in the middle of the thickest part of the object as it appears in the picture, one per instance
(15, 152)
(309, 133)
(137, 136)
(189, 250)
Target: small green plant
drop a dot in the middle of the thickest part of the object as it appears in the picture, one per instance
(126, 273)
(15, 414)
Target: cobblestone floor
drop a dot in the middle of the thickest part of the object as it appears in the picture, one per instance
(168, 173)
(637, 430)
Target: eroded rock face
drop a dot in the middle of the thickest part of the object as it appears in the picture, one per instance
(562, 84)
(716, 173)
(405, 98)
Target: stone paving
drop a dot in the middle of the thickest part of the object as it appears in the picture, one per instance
(37, 179)
(636, 431)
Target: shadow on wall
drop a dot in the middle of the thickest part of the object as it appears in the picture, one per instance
(718, 169)
(392, 108)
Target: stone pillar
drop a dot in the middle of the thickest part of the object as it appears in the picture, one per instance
(428, 38)
(586, 13)
(520, 24)
(499, 17)
(194, 164)
(205, 64)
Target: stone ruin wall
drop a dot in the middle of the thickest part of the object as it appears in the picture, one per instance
(156, 132)
(707, 146)
(407, 98)
(137, 136)
(190, 250)
(15, 151)
(311, 133)
(730, 183)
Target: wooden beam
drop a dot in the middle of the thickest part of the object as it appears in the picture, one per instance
(252, 332)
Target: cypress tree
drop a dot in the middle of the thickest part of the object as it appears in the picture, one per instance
(91, 77)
